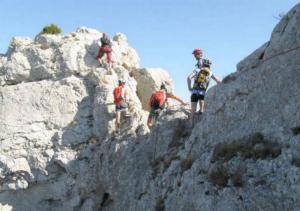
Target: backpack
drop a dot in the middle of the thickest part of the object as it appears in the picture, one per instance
(158, 99)
(118, 95)
(105, 41)
(202, 78)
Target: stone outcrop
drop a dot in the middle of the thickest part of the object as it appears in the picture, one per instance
(150, 79)
(55, 101)
(57, 151)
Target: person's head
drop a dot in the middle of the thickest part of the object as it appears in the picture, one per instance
(163, 87)
(206, 63)
(197, 53)
(104, 35)
(121, 82)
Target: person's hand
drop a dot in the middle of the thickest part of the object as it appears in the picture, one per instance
(184, 104)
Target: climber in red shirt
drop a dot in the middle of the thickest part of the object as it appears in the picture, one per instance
(157, 103)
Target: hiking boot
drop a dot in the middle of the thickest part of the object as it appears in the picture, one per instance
(199, 113)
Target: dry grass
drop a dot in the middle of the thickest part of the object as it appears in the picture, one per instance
(254, 146)
(162, 163)
(160, 204)
(237, 178)
(218, 174)
(182, 131)
(296, 160)
(186, 163)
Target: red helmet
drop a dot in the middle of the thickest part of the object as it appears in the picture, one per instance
(197, 51)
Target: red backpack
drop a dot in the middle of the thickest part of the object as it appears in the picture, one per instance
(118, 95)
(158, 99)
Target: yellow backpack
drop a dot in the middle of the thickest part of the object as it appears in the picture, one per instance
(202, 78)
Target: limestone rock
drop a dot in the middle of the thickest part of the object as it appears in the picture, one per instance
(57, 150)
(6, 207)
(123, 54)
(150, 80)
(58, 56)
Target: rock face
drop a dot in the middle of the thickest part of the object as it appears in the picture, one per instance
(57, 151)
(150, 79)
(55, 102)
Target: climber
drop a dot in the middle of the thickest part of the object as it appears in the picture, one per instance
(105, 48)
(121, 102)
(198, 56)
(157, 103)
(201, 78)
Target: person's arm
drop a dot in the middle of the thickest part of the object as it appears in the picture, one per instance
(189, 80)
(216, 79)
(175, 98)
(126, 95)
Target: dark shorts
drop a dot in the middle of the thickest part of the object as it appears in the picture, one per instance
(121, 106)
(198, 95)
(154, 112)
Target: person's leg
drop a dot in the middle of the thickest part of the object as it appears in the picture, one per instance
(118, 120)
(157, 112)
(109, 58)
(151, 117)
(100, 54)
(124, 108)
(201, 105)
(150, 121)
(108, 51)
(193, 107)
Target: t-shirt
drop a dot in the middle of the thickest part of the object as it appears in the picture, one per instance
(199, 63)
(105, 41)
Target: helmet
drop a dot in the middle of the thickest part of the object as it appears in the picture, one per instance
(197, 51)
(206, 62)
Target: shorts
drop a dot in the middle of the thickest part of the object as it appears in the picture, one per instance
(121, 106)
(154, 112)
(197, 95)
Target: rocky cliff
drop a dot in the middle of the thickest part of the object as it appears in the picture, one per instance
(56, 121)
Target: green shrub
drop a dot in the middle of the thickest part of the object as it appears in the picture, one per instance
(51, 29)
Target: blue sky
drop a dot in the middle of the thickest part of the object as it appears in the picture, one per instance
(164, 32)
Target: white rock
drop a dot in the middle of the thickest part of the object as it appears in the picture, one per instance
(123, 54)
(56, 141)
(5, 207)
(150, 80)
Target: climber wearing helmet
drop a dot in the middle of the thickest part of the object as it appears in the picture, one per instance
(105, 49)
(157, 103)
(201, 76)
(198, 56)
(121, 102)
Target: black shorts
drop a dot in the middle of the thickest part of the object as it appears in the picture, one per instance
(195, 97)
(154, 112)
(121, 106)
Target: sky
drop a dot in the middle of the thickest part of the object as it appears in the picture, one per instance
(164, 32)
